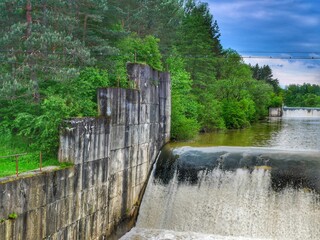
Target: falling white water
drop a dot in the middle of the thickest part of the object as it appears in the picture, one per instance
(301, 112)
(162, 234)
(227, 205)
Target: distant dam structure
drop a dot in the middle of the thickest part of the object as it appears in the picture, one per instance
(293, 112)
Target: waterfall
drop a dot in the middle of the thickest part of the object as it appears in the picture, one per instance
(301, 112)
(232, 193)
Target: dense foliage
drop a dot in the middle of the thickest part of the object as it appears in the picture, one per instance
(306, 95)
(55, 53)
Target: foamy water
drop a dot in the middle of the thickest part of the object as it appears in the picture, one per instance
(162, 234)
(227, 205)
(301, 112)
(239, 203)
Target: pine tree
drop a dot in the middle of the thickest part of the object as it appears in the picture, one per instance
(199, 44)
(36, 48)
(92, 16)
(264, 73)
(147, 17)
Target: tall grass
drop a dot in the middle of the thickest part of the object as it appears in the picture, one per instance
(11, 145)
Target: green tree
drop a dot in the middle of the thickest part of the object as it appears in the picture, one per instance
(184, 113)
(35, 51)
(211, 114)
(263, 97)
(234, 113)
(152, 17)
(75, 99)
(55, 53)
(199, 44)
(134, 49)
(143, 50)
(305, 95)
(237, 104)
(230, 64)
(264, 73)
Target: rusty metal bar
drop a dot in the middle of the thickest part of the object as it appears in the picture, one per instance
(14, 155)
(17, 165)
(40, 161)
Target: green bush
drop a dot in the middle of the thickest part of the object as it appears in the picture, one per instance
(12, 216)
(210, 116)
(39, 123)
(184, 107)
(182, 127)
(142, 50)
(234, 115)
(276, 100)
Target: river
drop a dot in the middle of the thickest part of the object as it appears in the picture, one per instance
(280, 133)
(262, 182)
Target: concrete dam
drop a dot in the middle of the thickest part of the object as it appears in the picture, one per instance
(294, 112)
(267, 190)
(301, 112)
(112, 155)
(231, 193)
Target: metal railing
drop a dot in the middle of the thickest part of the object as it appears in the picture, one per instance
(16, 156)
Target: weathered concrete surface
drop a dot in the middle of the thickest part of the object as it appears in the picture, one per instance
(112, 156)
(275, 112)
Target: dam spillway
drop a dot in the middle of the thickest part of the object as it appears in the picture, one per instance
(220, 193)
(304, 112)
(270, 191)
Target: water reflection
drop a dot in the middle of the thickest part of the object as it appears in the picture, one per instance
(281, 133)
(297, 133)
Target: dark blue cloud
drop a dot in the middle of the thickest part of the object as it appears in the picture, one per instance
(273, 28)
(311, 66)
(268, 25)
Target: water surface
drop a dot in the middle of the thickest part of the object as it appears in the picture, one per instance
(280, 133)
(261, 182)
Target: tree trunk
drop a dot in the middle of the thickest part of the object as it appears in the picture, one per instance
(28, 18)
(44, 12)
(84, 28)
(33, 77)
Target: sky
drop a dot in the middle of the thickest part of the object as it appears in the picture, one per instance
(270, 32)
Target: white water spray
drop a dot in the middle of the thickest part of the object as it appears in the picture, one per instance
(301, 112)
(236, 204)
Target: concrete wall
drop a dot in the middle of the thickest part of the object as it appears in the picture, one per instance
(112, 156)
(301, 112)
(294, 112)
(275, 112)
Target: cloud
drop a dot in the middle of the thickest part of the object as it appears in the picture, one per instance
(243, 10)
(276, 29)
(306, 21)
(285, 55)
(287, 24)
(290, 72)
(265, 10)
(311, 66)
(314, 55)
